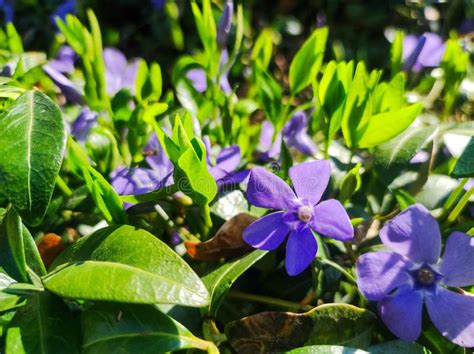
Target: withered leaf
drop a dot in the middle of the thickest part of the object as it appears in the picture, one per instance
(330, 324)
(226, 243)
(49, 247)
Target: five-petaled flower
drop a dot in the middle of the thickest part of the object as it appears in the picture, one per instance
(300, 213)
(403, 279)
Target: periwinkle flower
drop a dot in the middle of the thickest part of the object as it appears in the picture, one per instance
(83, 124)
(225, 23)
(295, 134)
(119, 74)
(410, 275)
(198, 77)
(422, 52)
(64, 61)
(67, 87)
(158, 4)
(300, 213)
(7, 10)
(225, 170)
(139, 180)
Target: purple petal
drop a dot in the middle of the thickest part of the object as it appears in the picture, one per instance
(225, 23)
(232, 179)
(64, 62)
(413, 233)
(378, 273)
(156, 156)
(457, 264)
(409, 44)
(310, 179)
(331, 220)
(296, 136)
(224, 84)
(198, 79)
(129, 76)
(115, 61)
(433, 50)
(453, 315)
(83, 124)
(267, 233)
(412, 58)
(67, 7)
(266, 190)
(420, 157)
(229, 158)
(133, 181)
(270, 150)
(301, 249)
(67, 87)
(401, 313)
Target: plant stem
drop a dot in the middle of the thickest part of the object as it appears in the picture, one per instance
(269, 300)
(63, 186)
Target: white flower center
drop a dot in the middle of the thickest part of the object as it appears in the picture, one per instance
(305, 213)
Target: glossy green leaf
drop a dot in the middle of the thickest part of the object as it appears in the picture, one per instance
(396, 53)
(43, 326)
(125, 264)
(32, 145)
(7, 301)
(397, 347)
(465, 165)
(385, 126)
(220, 280)
(326, 349)
(350, 184)
(308, 60)
(134, 329)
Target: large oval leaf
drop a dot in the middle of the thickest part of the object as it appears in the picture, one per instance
(135, 329)
(43, 326)
(326, 349)
(125, 264)
(32, 144)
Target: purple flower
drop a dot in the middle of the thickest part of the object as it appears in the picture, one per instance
(225, 170)
(118, 73)
(412, 274)
(67, 7)
(83, 124)
(67, 87)
(294, 133)
(158, 4)
(421, 52)
(198, 78)
(225, 24)
(64, 61)
(301, 213)
(7, 10)
(139, 180)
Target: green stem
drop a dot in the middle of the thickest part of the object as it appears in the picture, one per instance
(336, 266)
(458, 208)
(453, 197)
(269, 300)
(63, 186)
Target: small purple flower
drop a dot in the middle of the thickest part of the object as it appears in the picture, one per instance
(139, 180)
(64, 61)
(225, 169)
(225, 24)
(294, 133)
(158, 4)
(7, 9)
(83, 124)
(118, 73)
(198, 78)
(300, 213)
(67, 7)
(412, 274)
(422, 52)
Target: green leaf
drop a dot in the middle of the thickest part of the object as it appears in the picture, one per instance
(125, 264)
(385, 126)
(43, 326)
(341, 324)
(134, 329)
(397, 347)
(326, 349)
(14, 39)
(396, 53)
(7, 301)
(32, 145)
(308, 60)
(350, 183)
(465, 165)
(330, 324)
(404, 199)
(220, 280)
